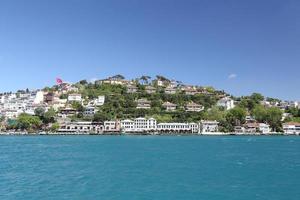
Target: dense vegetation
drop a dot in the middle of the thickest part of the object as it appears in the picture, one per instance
(119, 104)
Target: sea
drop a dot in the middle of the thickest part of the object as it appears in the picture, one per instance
(150, 167)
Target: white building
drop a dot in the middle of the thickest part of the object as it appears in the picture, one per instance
(177, 128)
(208, 126)
(139, 125)
(143, 124)
(100, 101)
(291, 128)
(38, 97)
(82, 128)
(226, 102)
(264, 128)
(127, 125)
(74, 97)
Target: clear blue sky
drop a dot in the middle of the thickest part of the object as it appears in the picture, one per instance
(240, 46)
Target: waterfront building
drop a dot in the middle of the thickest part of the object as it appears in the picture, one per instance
(82, 128)
(207, 126)
(253, 128)
(239, 129)
(138, 125)
(264, 128)
(144, 124)
(194, 127)
(112, 126)
(127, 125)
(174, 128)
(169, 106)
(193, 107)
(143, 104)
(74, 98)
(291, 128)
(226, 102)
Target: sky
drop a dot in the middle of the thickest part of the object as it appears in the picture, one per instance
(236, 45)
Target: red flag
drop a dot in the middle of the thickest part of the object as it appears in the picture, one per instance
(59, 81)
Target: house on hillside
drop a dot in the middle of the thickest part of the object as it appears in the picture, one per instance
(169, 106)
(226, 102)
(170, 90)
(190, 90)
(132, 89)
(193, 107)
(74, 98)
(143, 104)
(150, 89)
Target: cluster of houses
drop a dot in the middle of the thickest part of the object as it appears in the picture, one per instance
(283, 105)
(13, 104)
(139, 126)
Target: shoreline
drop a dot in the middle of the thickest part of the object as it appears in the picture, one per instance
(140, 134)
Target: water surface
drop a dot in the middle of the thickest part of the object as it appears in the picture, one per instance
(150, 167)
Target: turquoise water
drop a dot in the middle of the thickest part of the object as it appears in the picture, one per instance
(149, 167)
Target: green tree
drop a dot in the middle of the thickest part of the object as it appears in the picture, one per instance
(236, 116)
(215, 113)
(145, 79)
(28, 122)
(39, 111)
(83, 82)
(77, 106)
(49, 116)
(273, 118)
(54, 127)
(260, 113)
(257, 98)
(101, 117)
